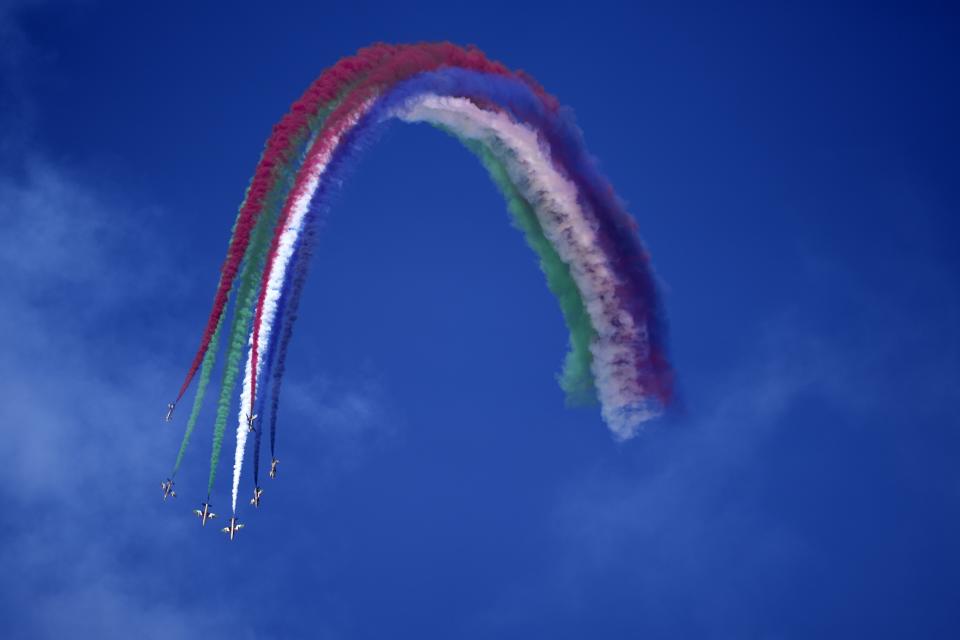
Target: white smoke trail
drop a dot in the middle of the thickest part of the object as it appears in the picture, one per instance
(619, 345)
(276, 273)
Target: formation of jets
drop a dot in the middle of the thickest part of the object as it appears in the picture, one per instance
(205, 511)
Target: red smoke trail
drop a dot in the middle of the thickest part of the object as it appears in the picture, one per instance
(276, 154)
(405, 61)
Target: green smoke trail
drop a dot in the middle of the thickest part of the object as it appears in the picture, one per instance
(576, 378)
(206, 371)
(251, 273)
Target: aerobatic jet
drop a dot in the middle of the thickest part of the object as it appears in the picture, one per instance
(204, 513)
(168, 491)
(234, 527)
(170, 407)
(257, 492)
(273, 468)
(250, 419)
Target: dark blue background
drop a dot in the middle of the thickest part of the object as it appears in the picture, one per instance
(794, 174)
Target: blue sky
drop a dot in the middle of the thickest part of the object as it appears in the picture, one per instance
(794, 174)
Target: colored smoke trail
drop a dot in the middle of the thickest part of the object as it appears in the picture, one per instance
(269, 360)
(281, 147)
(568, 227)
(286, 316)
(296, 281)
(563, 222)
(250, 272)
(614, 229)
(276, 353)
(279, 194)
(252, 268)
(576, 378)
(586, 242)
(624, 331)
(295, 278)
(206, 372)
(256, 457)
(291, 223)
(242, 429)
(406, 62)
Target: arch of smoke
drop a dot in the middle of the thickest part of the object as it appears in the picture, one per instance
(619, 343)
(276, 270)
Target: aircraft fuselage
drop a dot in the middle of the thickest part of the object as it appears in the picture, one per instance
(204, 514)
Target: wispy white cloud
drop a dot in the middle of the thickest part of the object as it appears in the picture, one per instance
(82, 380)
(62, 300)
(17, 59)
(23, 67)
(602, 515)
(74, 418)
(688, 519)
(350, 417)
(71, 424)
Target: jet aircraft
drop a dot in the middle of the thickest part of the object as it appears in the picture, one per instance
(234, 527)
(204, 513)
(257, 492)
(168, 491)
(273, 468)
(250, 419)
(170, 407)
